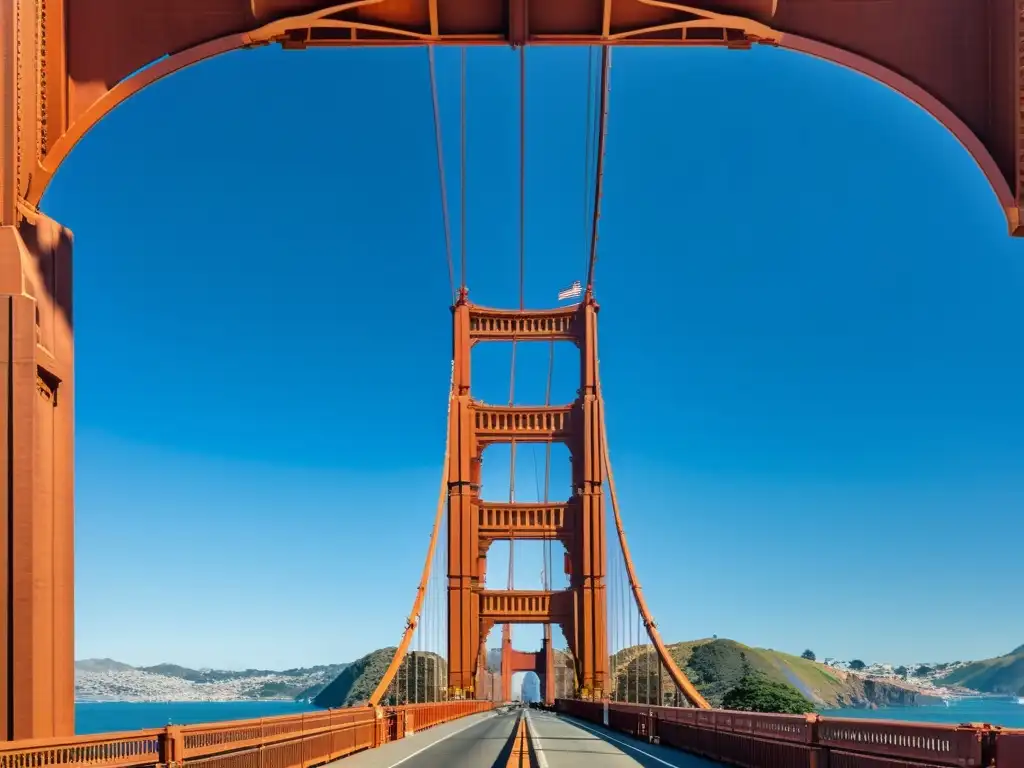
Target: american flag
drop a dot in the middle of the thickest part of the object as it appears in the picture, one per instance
(572, 292)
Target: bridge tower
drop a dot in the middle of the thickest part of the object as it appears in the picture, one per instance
(578, 523)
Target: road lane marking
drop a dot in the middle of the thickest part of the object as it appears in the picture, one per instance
(596, 732)
(538, 748)
(520, 755)
(438, 741)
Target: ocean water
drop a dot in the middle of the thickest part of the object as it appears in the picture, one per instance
(101, 717)
(128, 716)
(1005, 712)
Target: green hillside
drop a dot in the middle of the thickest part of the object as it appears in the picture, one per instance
(717, 665)
(416, 682)
(1003, 674)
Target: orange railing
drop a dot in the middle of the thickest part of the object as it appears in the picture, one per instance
(288, 741)
(804, 741)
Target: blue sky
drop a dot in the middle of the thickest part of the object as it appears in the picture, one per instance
(810, 323)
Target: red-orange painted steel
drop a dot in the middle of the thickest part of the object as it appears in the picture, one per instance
(473, 523)
(807, 741)
(96, 53)
(541, 662)
(65, 64)
(289, 741)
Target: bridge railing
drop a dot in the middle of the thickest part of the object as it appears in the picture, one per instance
(286, 741)
(807, 741)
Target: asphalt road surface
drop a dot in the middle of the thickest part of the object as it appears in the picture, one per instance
(559, 742)
(477, 741)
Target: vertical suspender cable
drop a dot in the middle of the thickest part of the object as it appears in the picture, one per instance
(606, 63)
(548, 585)
(439, 142)
(391, 679)
(414, 614)
(522, 177)
(643, 613)
(522, 297)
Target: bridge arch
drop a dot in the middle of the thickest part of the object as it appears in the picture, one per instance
(902, 85)
(929, 103)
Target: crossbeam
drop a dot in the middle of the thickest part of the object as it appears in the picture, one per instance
(524, 424)
(486, 324)
(499, 521)
(525, 606)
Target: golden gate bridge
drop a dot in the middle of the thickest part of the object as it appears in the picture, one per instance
(67, 63)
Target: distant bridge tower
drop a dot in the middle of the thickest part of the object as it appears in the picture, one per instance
(579, 522)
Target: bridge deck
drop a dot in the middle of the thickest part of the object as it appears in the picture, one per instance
(561, 742)
(484, 741)
(475, 741)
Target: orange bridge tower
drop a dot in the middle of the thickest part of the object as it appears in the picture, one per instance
(578, 523)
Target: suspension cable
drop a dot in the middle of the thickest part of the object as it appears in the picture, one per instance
(548, 583)
(522, 177)
(507, 631)
(644, 614)
(414, 615)
(439, 142)
(588, 156)
(606, 65)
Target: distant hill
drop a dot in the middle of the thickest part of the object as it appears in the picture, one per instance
(101, 665)
(716, 665)
(354, 686)
(107, 679)
(418, 680)
(1003, 674)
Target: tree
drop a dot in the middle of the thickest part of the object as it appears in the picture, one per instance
(922, 671)
(901, 671)
(857, 665)
(809, 655)
(756, 693)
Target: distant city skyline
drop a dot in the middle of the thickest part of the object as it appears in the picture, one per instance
(810, 320)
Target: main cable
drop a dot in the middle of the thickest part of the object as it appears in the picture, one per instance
(606, 65)
(439, 142)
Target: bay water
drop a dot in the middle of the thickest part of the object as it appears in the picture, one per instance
(1005, 712)
(103, 717)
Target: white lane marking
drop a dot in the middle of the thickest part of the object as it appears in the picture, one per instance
(538, 749)
(435, 743)
(596, 732)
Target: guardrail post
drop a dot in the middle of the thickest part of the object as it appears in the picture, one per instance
(652, 724)
(171, 746)
(819, 755)
(378, 727)
(990, 747)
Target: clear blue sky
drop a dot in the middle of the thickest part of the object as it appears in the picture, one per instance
(811, 322)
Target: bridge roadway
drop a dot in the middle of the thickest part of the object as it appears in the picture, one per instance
(484, 741)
